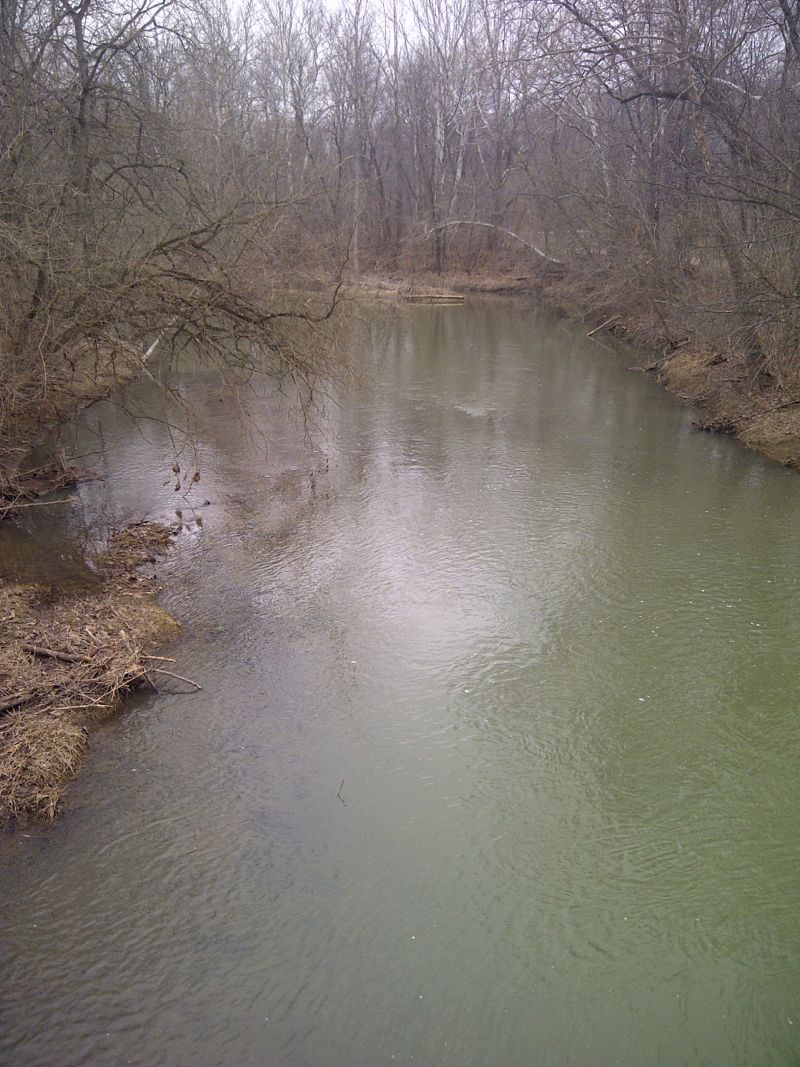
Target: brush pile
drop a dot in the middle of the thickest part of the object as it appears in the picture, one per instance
(21, 489)
(64, 664)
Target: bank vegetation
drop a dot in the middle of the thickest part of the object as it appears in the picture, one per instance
(65, 663)
(178, 171)
(174, 168)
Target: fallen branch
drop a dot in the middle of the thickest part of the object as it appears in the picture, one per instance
(602, 326)
(499, 229)
(15, 702)
(44, 503)
(12, 506)
(49, 653)
(171, 674)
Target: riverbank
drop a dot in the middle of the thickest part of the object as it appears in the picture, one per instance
(762, 414)
(65, 662)
(85, 375)
(758, 410)
(58, 676)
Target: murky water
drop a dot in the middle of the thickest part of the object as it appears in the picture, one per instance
(496, 756)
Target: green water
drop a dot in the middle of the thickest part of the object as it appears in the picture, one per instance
(547, 638)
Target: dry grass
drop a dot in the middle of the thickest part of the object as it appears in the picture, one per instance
(64, 665)
(775, 434)
(141, 542)
(763, 417)
(762, 412)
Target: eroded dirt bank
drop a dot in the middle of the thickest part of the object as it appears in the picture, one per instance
(66, 659)
(757, 410)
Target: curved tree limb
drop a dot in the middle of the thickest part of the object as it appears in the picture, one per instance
(500, 229)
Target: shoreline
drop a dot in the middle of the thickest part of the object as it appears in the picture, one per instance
(763, 417)
(66, 661)
(60, 677)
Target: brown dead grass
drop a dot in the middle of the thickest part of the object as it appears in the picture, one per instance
(763, 418)
(776, 434)
(139, 543)
(762, 414)
(65, 664)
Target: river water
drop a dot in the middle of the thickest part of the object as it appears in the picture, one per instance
(495, 760)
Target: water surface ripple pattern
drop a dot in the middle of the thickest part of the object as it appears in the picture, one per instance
(544, 634)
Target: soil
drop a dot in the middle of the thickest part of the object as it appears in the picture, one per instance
(758, 414)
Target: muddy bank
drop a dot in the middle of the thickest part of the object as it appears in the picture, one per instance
(66, 660)
(762, 414)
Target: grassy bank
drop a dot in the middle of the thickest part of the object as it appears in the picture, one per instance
(65, 663)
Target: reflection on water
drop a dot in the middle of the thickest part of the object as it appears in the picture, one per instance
(495, 759)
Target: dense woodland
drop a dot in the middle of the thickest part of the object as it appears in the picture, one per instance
(177, 165)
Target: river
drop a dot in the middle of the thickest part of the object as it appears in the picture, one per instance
(495, 760)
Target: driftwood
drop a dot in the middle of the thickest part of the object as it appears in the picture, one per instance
(12, 505)
(434, 298)
(602, 326)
